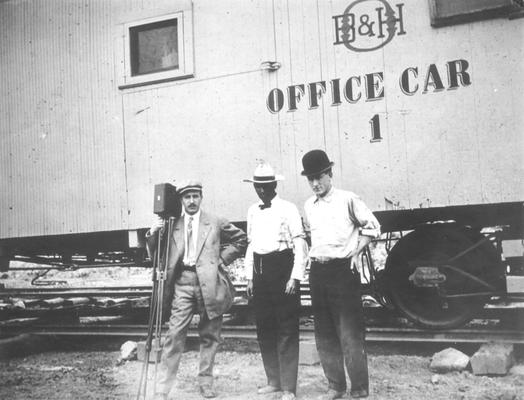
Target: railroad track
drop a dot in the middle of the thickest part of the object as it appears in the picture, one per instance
(96, 291)
(373, 334)
(127, 308)
(111, 300)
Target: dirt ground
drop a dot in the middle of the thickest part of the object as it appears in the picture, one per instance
(87, 369)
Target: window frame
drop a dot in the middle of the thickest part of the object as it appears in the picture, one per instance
(470, 11)
(185, 51)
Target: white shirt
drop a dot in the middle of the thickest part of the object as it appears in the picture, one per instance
(276, 228)
(194, 224)
(336, 221)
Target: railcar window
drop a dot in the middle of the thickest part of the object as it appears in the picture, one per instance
(452, 12)
(154, 47)
(157, 49)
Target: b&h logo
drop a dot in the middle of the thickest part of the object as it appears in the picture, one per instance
(368, 25)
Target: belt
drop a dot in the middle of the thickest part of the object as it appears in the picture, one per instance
(273, 254)
(259, 260)
(326, 260)
(188, 267)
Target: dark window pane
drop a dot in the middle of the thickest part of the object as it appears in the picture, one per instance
(451, 12)
(154, 47)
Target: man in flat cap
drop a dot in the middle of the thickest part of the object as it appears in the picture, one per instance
(275, 263)
(196, 282)
(341, 226)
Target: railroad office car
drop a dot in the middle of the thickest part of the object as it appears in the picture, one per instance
(419, 103)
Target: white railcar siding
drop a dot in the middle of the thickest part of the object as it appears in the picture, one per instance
(79, 154)
(62, 155)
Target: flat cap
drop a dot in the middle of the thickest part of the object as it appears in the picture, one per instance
(187, 185)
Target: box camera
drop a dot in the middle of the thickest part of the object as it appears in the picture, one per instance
(167, 202)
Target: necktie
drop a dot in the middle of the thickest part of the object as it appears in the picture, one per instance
(265, 205)
(190, 247)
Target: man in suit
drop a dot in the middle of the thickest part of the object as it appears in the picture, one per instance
(200, 246)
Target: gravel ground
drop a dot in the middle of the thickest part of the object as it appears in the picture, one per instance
(87, 369)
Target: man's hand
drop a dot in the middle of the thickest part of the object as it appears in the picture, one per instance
(354, 262)
(156, 225)
(291, 286)
(363, 241)
(249, 289)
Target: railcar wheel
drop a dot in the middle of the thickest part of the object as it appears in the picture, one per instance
(435, 246)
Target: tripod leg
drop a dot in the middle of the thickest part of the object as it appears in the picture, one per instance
(160, 297)
(154, 331)
(154, 307)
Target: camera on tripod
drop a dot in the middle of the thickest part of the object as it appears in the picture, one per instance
(166, 205)
(167, 201)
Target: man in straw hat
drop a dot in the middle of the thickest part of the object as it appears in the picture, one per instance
(274, 264)
(341, 227)
(196, 281)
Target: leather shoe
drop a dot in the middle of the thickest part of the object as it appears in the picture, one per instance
(268, 389)
(333, 394)
(288, 396)
(358, 394)
(207, 391)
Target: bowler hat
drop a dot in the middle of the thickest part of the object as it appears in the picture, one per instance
(187, 185)
(264, 173)
(315, 162)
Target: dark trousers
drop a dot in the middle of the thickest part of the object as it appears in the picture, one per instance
(277, 317)
(339, 324)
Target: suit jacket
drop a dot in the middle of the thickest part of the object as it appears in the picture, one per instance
(218, 244)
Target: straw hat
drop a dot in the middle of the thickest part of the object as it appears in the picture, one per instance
(264, 173)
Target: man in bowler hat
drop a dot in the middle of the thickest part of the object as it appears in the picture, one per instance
(275, 262)
(196, 282)
(341, 226)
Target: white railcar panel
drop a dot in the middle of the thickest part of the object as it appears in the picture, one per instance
(168, 142)
(80, 154)
(62, 150)
(439, 148)
(230, 37)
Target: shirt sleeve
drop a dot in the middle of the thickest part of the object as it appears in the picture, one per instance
(363, 216)
(248, 259)
(306, 225)
(300, 261)
(248, 263)
(300, 250)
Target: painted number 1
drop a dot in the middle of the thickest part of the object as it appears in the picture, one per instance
(375, 128)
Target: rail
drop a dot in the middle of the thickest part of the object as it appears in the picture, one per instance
(373, 334)
(63, 312)
(113, 300)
